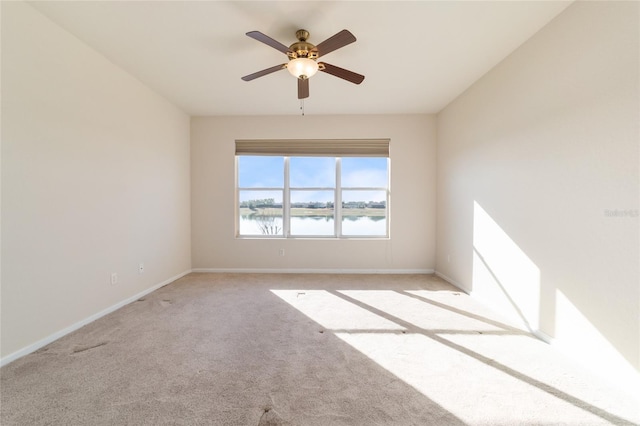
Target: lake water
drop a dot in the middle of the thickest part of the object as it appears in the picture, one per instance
(314, 225)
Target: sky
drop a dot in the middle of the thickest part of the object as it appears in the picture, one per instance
(315, 172)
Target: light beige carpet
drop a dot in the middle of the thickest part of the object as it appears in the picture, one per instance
(292, 349)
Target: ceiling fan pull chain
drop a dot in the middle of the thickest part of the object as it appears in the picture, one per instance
(302, 106)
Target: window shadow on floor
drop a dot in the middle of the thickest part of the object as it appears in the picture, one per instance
(436, 336)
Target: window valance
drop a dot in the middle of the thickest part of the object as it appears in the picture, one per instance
(314, 147)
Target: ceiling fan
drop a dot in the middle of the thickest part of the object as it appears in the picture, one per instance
(303, 57)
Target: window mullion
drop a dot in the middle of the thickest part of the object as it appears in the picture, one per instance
(286, 201)
(337, 210)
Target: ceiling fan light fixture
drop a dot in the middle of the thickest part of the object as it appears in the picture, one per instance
(302, 67)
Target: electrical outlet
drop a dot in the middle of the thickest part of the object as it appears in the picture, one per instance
(114, 278)
(141, 268)
(281, 252)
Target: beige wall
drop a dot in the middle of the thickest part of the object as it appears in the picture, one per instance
(412, 242)
(533, 162)
(537, 186)
(95, 179)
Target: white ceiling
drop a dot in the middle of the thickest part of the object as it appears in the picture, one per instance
(417, 56)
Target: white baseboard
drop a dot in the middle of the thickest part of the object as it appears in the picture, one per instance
(452, 282)
(314, 271)
(543, 336)
(55, 336)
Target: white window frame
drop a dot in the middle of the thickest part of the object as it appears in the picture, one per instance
(281, 148)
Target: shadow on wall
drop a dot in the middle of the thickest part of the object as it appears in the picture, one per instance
(503, 273)
(506, 279)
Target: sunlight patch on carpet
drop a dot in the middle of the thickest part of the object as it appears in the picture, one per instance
(332, 312)
(426, 343)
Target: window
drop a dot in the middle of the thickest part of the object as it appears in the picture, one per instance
(319, 188)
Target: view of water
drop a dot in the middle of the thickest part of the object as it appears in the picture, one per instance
(314, 225)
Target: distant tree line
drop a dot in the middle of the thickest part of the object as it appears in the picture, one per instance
(270, 203)
(260, 203)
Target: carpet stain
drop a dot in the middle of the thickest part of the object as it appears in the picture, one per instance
(79, 349)
(270, 417)
(142, 299)
(165, 303)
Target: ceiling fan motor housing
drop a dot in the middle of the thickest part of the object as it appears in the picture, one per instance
(302, 48)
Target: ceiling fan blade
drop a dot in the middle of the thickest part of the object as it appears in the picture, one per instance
(264, 72)
(257, 35)
(337, 41)
(303, 88)
(341, 73)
